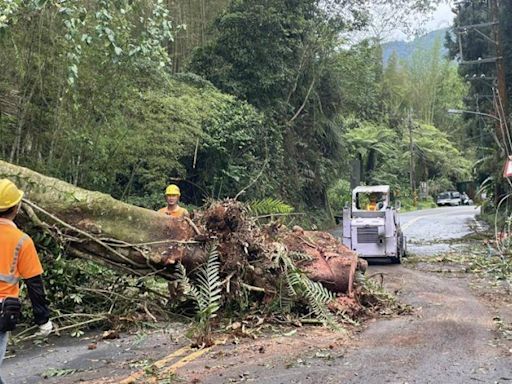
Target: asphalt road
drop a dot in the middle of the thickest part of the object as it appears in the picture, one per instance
(432, 231)
(450, 338)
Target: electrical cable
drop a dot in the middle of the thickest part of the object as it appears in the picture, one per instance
(503, 134)
(503, 118)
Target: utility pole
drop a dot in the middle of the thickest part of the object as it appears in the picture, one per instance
(478, 122)
(500, 67)
(412, 172)
(490, 31)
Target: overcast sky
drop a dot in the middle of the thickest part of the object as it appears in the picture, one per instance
(441, 18)
(406, 30)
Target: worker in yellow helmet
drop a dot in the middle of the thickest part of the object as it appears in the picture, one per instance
(372, 205)
(18, 260)
(172, 196)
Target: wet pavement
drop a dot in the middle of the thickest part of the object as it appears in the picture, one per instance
(437, 230)
(450, 338)
(433, 231)
(67, 359)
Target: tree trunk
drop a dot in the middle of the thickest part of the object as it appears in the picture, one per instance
(139, 241)
(99, 226)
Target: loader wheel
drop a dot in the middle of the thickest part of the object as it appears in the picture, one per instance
(400, 250)
(396, 260)
(403, 244)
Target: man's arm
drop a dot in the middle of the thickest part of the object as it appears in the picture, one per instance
(30, 270)
(35, 287)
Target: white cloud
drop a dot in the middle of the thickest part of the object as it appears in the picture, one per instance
(442, 17)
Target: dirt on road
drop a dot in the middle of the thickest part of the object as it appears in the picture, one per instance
(452, 337)
(460, 331)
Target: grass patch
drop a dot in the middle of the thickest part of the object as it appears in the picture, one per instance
(408, 204)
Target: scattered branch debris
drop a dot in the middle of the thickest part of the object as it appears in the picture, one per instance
(135, 265)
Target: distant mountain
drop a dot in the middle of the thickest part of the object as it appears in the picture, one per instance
(404, 49)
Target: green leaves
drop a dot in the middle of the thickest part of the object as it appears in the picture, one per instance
(301, 287)
(434, 148)
(204, 287)
(9, 12)
(368, 138)
(55, 372)
(386, 152)
(209, 285)
(269, 206)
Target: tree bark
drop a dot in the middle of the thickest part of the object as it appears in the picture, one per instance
(139, 241)
(123, 235)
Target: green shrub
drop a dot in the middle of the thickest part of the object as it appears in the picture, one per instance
(339, 195)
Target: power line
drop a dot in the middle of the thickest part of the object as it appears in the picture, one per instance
(500, 100)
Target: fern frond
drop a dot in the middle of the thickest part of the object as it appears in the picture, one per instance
(299, 256)
(187, 287)
(292, 281)
(269, 206)
(318, 297)
(206, 289)
(281, 257)
(315, 294)
(286, 303)
(209, 285)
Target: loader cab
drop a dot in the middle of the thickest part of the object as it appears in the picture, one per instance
(370, 201)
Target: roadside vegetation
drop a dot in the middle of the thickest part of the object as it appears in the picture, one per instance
(122, 98)
(278, 102)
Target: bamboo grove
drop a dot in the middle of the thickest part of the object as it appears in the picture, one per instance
(124, 97)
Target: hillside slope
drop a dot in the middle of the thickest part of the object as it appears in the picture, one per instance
(405, 49)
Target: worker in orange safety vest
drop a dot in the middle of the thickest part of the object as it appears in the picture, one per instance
(18, 260)
(172, 196)
(372, 205)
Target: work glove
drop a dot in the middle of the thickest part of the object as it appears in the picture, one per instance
(44, 329)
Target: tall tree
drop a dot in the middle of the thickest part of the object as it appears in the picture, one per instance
(471, 44)
(193, 19)
(279, 56)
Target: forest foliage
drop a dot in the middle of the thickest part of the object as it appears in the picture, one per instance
(125, 97)
(490, 141)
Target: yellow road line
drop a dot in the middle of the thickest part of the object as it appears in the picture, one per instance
(179, 364)
(158, 364)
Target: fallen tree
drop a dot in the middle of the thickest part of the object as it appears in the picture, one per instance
(259, 263)
(97, 226)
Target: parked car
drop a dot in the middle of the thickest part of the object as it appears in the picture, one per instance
(451, 198)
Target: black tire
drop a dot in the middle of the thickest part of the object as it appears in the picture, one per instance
(404, 246)
(400, 250)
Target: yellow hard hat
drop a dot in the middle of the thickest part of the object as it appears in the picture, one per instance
(173, 190)
(10, 195)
